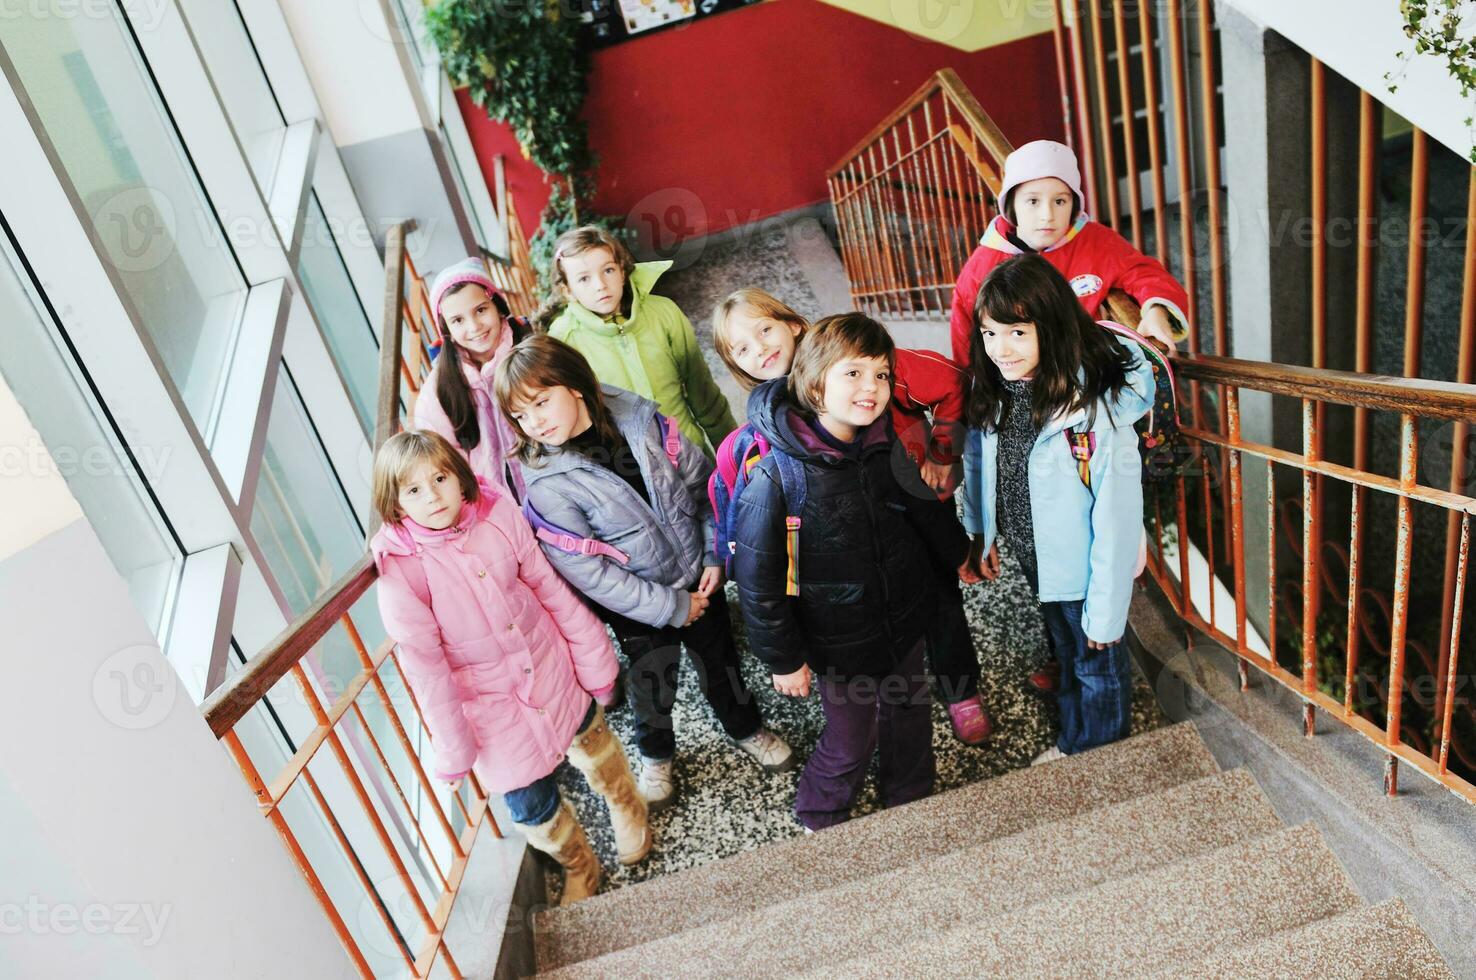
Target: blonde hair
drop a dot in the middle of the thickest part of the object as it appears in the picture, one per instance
(402, 453)
(831, 340)
(760, 304)
(540, 362)
(573, 242)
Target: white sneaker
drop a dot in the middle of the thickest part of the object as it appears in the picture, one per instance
(658, 782)
(1049, 755)
(771, 751)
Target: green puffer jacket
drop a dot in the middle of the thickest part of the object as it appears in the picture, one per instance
(654, 353)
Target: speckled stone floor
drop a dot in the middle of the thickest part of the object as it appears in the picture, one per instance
(727, 804)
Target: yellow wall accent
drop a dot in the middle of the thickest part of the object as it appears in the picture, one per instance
(969, 25)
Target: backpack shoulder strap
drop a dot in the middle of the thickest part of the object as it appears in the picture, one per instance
(1082, 444)
(566, 541)
(673, 441)
(792, 482)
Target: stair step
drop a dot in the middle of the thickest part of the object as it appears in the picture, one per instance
(1381, 942)
(1142, 923)
(944, 891)
(971, 815)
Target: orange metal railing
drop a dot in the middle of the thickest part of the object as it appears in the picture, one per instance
(914, 195)
(415, 824)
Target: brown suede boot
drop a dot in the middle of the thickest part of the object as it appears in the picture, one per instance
(596, 752)
(562, 838)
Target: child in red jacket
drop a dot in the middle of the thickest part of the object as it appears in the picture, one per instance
(1041, 211)
(756, 334)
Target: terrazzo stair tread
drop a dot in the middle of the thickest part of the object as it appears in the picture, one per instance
(1379, 942)
(941, 892)
(1135, 925)
(879, 842)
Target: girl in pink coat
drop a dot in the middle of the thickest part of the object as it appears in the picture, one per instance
(508, 666)
(477, 331)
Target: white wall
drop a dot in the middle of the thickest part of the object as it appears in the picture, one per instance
(132, 846)
(1360, 40)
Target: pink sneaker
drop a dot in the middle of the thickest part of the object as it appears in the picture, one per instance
(970, 721)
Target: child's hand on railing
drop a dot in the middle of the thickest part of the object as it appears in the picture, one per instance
(795, 685)
(1156, 325)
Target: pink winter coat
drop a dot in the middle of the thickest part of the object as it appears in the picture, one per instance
(488, 458)
(501, 655)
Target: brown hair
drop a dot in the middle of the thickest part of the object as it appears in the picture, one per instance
(1080, 362)
(540, 362)
(573, 242)
(452, 390)
(406, 450)
(761, 304)
(831, 340)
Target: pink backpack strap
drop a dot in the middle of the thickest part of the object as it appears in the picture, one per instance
(673, 441)
(575, 545)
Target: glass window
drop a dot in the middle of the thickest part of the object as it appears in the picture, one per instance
(335, 302)
(463, 190)
(97, 106)
(84, 449)
(236, 70)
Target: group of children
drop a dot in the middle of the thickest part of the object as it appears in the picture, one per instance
(557, 482)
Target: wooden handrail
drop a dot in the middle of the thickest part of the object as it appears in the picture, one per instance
(387, 418)
(1411, 396)
(230, 702)
(951, 86)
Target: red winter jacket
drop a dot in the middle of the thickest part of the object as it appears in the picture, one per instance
(1092, 257)
(925, 380)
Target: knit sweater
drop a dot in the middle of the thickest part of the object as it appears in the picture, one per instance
(1017, 434)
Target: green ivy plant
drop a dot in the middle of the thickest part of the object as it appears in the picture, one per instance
(522, 62)
(1435, 28)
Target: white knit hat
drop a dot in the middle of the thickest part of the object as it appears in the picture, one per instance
(1042, 158)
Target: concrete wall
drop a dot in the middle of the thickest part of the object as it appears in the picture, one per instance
(133, 846)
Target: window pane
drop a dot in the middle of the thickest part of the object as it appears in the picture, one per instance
(102, 115)
(83, 448)
(461, 188)
(330, 292)
(231, 57)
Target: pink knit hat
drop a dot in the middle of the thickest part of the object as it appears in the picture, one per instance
(467, 270)
(1042, 158)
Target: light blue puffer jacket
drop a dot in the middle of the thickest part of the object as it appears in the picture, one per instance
(1087, 542)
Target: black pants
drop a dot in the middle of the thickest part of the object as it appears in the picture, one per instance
(950, 645)
(651, 684)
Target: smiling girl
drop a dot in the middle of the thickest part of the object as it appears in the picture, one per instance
(456, 398)
(634, 339)
(849, 597)
(1052, 466)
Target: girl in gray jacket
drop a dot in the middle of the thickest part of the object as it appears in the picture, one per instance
(618, 499)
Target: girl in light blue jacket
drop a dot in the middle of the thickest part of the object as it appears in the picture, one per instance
(1051, 465)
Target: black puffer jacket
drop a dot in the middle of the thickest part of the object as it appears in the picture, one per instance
(869, 552)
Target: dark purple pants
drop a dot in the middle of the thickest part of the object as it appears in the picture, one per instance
(891, 715)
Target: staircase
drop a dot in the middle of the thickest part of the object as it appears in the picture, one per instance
(1140, 858)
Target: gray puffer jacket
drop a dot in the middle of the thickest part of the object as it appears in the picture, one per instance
(666, 541)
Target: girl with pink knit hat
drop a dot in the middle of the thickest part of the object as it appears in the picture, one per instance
(477, 331)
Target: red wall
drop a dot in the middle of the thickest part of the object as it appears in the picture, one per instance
(737, 117)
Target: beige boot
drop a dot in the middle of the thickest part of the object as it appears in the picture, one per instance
(562, 838)
(597, 753)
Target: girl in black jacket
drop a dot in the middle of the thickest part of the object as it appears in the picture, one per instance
(845, 596)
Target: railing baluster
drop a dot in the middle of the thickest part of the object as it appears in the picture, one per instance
(1189, 274)
(1086, 149)
(1355, 585)
(1311, 545)
(1104, 118)
(1130, 148)
(1453, 651)
(1058, 40)
(1414, 296)
(1212, 175)
(1408, 461)
(1237, 521)
(1155, 149)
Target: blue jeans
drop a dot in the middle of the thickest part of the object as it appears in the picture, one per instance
(537, 802)
(1096, 694)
